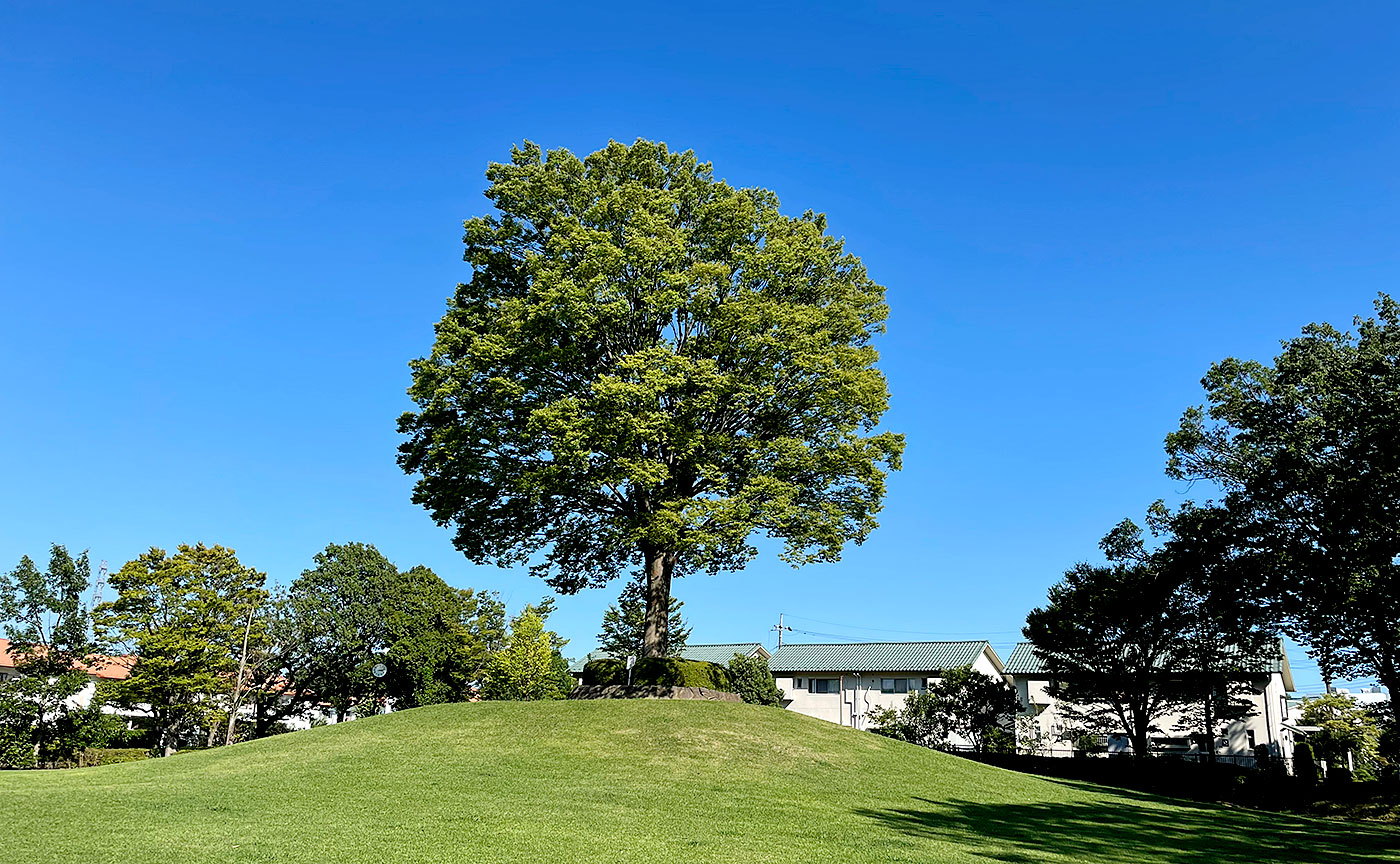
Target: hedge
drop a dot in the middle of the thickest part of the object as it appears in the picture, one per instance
(111, 756)
(659, 671)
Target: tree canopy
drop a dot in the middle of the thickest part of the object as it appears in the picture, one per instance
(47, 625)
(1306, 453)
(649, 366)
(184, 618)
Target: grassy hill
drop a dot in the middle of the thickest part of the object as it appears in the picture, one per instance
(629, 781)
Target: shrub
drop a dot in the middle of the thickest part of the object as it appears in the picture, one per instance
(111, 756)
(659, 672)
(753, 681)
(1304, 767)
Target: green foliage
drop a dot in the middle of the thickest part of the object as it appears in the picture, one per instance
(1304, 763)
(1345, 727)
(660, 672)
(753, 681)
(964, 702)
(111, 756)
(624, 625)
(974, 706)
(47, 626)
(648, 365)
(354, 609)
(918, 721)
(183, 616)
(1154, 631)
(529, 665)
(1305, 451)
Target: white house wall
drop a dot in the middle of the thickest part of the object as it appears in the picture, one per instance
(1266, 722)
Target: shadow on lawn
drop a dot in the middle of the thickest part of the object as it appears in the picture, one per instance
(1129, 831)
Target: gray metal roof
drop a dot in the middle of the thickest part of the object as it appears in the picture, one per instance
(719, 652)
(1025, 661)
(878, 656)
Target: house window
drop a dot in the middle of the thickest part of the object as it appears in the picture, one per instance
(894, 685)
(823, 685)
(797, 683)
(1249, 735)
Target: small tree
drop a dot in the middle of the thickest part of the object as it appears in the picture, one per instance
(753, 681)
(974, 706)
(649, 366)
(51, 644)
(625, 625)
(527, 668)
(918, 721)
(183, 616)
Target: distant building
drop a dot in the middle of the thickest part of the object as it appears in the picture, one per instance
(98, 668)
(1270, 724)
(842, 682)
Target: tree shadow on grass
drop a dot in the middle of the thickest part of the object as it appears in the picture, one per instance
(1133, 831)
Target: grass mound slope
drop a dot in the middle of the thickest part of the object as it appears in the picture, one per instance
(620, 781)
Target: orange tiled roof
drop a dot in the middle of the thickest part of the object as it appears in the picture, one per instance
(110, 668)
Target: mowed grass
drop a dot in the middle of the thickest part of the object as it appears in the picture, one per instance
(614, 781)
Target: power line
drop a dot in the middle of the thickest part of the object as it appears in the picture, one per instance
(908, 632)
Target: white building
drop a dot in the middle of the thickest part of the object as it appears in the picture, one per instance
(97, 669)
(1270, 724)
(842, 682)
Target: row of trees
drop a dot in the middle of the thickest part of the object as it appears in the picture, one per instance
(1303, 539)
(214, 655)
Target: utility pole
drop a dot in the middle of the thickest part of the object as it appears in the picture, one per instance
(780, 628)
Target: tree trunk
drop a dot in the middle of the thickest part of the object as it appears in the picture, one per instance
(658, 569)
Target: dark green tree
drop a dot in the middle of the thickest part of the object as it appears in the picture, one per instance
(52, 648)
(1306, 452)
(1109, 636)
(974, 706)
(649, 366)
(1228, 640)
(625, 625)
(355, 610)
(753, 680)
(184, 617)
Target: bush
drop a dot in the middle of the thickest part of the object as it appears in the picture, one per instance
(753, 681)
(111, 756)
(1304, 767)
(659, 672)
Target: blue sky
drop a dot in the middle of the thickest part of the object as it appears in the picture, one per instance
(224, 232)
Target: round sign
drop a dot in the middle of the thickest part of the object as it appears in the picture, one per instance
(379, 670)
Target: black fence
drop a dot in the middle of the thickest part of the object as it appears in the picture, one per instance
(1192, 757)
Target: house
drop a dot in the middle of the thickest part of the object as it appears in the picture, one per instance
(98, 668)
(1269, 725)
(842, 682)
(719, 652)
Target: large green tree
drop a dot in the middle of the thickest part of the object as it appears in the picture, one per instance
(184, 617)
(1308, 455)
(52, 648)
(355, 609)
(649, 366)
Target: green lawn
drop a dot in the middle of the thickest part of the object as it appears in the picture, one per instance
(609, 781)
